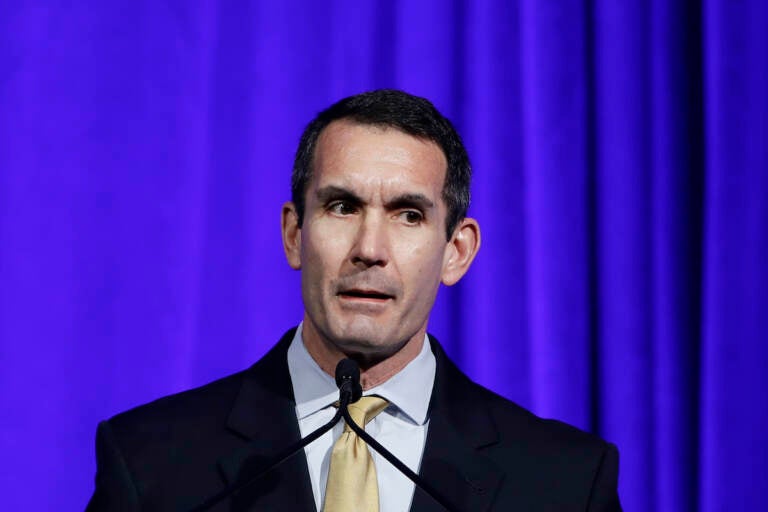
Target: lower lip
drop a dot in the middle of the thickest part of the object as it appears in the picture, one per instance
(371, 301)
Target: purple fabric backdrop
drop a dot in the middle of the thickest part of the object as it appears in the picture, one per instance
(621, 169)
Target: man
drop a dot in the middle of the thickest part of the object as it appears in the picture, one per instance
(377, 221)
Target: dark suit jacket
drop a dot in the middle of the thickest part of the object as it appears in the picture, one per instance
(482, 452)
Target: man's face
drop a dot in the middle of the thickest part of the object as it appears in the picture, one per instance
(372, 247)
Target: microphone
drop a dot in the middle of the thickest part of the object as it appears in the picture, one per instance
(348, 374)
(348, 381)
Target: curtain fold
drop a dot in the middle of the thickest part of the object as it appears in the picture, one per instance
(620, 156)
(734, 358)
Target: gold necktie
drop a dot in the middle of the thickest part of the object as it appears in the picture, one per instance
(352, 485)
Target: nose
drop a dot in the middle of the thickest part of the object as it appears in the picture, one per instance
(371, 247)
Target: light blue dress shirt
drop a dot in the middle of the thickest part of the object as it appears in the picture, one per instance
(401, 428)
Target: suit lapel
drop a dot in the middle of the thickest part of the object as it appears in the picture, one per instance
(264, 415)
(458, 430)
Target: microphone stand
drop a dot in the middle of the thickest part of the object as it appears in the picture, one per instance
(416, 479)
(348, 380)
(281, 457)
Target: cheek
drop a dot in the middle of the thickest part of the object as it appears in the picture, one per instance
(322, 252)
(422, 265)
(426, 252)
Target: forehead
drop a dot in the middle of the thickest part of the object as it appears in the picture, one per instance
(354, 154)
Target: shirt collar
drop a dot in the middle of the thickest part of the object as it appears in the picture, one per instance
(409, 390)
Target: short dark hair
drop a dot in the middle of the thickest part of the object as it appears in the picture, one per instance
(396, 109)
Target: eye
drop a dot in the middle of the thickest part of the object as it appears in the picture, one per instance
(411, 217)
(342, 208)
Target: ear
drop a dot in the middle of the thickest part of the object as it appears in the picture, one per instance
(289, 223)
(460, 251)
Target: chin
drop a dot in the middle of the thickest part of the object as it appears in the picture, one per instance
(365, 342)
(362, 342)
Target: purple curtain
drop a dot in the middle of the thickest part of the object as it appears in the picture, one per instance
(620, 152)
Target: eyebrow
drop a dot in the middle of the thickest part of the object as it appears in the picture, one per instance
(334, 193)
(419, 201)
(408, 200)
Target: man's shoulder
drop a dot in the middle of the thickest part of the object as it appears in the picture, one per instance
(209, 404)
(201, 407)
(544, 460)
(516, 423)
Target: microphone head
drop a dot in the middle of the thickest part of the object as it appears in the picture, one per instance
(348, 376)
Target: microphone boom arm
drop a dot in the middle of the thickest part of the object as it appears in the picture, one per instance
(416, 479)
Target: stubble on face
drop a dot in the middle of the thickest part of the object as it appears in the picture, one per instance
(372, 247)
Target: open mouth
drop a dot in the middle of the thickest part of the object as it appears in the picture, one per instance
(364, 294)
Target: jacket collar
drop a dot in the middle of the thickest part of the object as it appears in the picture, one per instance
(264, 415)
(459, 429)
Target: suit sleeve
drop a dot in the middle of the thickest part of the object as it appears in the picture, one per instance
(115, 488)
(605, 494)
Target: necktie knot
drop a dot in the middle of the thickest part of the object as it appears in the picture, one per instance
(365, 409)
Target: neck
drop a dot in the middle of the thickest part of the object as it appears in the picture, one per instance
(373, 370)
